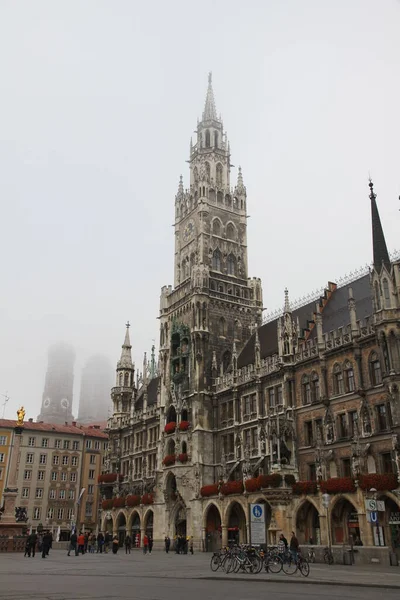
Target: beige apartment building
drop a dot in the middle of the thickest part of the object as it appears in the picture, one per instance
(58, 468)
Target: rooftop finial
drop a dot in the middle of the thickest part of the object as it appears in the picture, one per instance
(240, 188)
(126, 357)
(287, 303)
(210, 112)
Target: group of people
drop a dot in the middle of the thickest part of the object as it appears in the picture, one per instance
(43, 542)
(293, 546)
(182, 544)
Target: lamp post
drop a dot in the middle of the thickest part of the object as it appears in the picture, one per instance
(326, 501)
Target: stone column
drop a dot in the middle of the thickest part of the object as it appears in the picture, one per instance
(11, 491)
(224, 535)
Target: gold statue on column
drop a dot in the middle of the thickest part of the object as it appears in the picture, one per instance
(20, 415)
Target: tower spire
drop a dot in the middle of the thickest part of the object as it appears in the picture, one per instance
(210, 112)
(381, 255)
(287, 303)
(126, 356)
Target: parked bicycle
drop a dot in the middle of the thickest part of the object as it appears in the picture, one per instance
(311, 555)
(328, 556)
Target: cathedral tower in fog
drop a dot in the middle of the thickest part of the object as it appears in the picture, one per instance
(58, 388)
(96, 383)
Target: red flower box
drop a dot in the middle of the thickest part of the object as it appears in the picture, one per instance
(119, 502)
(109, 477)
(232, 487)
(132, 500)
(273, 480)
(184, 425)
(169, 460)
(304, 487)
(183, 458)
(381, 483)
(209, 490)
(338, 485)
(107, 504)
(252, 485)
(147, 499)
(170, 427)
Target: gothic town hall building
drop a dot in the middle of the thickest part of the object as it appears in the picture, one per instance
(300, 412)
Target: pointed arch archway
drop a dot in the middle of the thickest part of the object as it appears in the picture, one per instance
(121, 527)
(134, 523)
(391, 521)
(308, 530)
(213, 526)
(235, 518)
(344, 521)
(148, 522)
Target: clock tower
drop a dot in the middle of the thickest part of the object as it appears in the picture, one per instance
(211, 310)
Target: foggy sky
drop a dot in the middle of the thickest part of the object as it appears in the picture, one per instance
(98, 100)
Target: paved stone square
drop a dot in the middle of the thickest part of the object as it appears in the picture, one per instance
(158, 576)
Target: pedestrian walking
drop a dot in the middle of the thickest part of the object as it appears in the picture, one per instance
(92, 543)
(145, 543)
(81, 543)
(73, 544)
(294, 546)
(167, 543)
(128, 544)
(28, 546)
(115, 545)
(100, 542)
(86, 542)
(107, 541)
(33, 544)
(191, 544)
(50, 542)
(150, 543)
(46, 544)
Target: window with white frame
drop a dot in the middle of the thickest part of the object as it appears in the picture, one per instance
(57, 444)
(64, 476)
(66, 445)
(25, 493)
(45, 442)
(91, 474)
(56, 460)
(88, 444)
(52, 494)
(61, 494)
(75, 445)
(90, 489)
(29, 458)
(3, 440)
(97, 445)
(71, 494)
(70, 513)
(73, 477)
(39, 493)
(60, 514)
(54, 475)
(74, 461)
(65, 460)
(36, 512)
(31, 442)
(92, 459)
(27, 475)
(50, 513)
(43, 459)
(41, 475)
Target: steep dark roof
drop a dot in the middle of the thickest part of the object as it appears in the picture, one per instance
(381, 254)
(335, 314)
(151, 394)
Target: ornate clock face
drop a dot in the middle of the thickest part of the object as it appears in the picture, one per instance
(46, 402)
(188, 231)
(65, 403)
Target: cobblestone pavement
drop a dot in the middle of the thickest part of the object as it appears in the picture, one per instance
(160, 576)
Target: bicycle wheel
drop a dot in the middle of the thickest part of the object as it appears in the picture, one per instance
(289, 566)
(229, 564)
(215, 562)
(304, 567)
(238, 564)
(311, 558)
(256, 564)
(273, 564)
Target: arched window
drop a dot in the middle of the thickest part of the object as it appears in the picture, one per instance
(231, 265)
(306, 387)
(222, 326)
(216, 260)
(217, 227)
(208, 138)
(184, 415)
(375, 369)
(184, 448)
(218, 177)
(386, 293)
(171, 415)
(228, 200)
(315, 391)
(216, 139)
(230, 231)
(349, 383)
(338, 385)
(208, 171)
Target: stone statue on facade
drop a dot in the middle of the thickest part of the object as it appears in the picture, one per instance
(20, 416)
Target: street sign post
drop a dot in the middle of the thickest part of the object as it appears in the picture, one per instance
(257, 524)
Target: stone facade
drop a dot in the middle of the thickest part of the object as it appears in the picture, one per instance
(239, 411)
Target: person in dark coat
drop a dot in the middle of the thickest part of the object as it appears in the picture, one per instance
(32, 545)
(100, 542)
(294, 546)
(46, 541)
(73, 544)
(50, 542)
(28, 546)
(128, 544)
(167, 542)
(150, 543)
